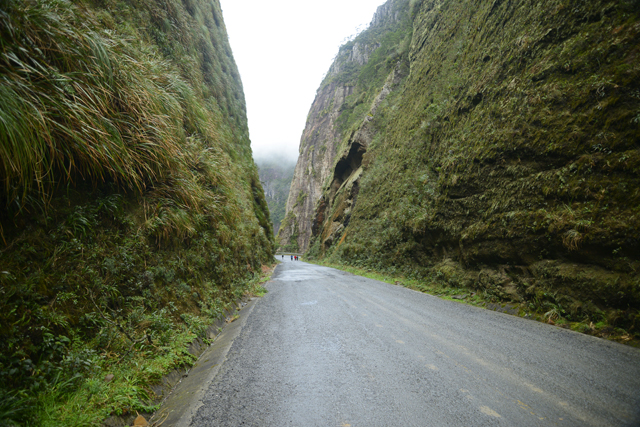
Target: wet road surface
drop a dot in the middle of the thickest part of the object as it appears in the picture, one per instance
(327, 348)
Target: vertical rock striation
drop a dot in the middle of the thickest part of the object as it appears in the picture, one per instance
(323, 133)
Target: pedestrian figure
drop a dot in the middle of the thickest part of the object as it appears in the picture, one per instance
(291, 257)
(282, 256)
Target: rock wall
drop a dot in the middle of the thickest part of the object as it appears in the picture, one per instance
(318, 147)
(497, 150)
(322, 136)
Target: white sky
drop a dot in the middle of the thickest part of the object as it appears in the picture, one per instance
(283, 48)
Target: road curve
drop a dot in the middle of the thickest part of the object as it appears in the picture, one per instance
(327, 348)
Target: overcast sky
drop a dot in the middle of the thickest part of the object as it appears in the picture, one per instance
(283, 48)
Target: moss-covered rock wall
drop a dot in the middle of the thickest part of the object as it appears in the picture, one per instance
(500, 154)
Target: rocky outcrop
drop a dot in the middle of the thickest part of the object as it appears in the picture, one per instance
(318, 147)
(495, 146)
(345, 178)
(322, 136)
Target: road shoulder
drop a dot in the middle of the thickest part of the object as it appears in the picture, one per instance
(182, 404)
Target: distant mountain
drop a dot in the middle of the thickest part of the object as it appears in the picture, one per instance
(276, 177)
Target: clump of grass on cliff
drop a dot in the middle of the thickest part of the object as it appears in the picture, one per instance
(80, 103)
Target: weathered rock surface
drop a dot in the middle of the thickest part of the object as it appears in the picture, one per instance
(322, 135)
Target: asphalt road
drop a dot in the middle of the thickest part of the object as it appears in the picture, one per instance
(327, 348)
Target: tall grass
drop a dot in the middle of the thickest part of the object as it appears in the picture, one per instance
(80, 103)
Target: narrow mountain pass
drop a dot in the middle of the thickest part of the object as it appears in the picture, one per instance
(327, 348)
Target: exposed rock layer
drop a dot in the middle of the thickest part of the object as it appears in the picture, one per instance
(322, 136)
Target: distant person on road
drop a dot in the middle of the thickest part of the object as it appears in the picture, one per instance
(291, 257)
(282, 256)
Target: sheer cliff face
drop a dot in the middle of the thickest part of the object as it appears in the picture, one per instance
(318, 147)
(493, 146)
(323, 133)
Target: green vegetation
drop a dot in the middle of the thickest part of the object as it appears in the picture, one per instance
(300, 199)
(291, 245)
(504, 160)
(389, 44)
(131, 212)
(276, 177)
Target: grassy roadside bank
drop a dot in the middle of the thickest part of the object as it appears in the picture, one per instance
(131, 211)
(117, 386)
(439, 288)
